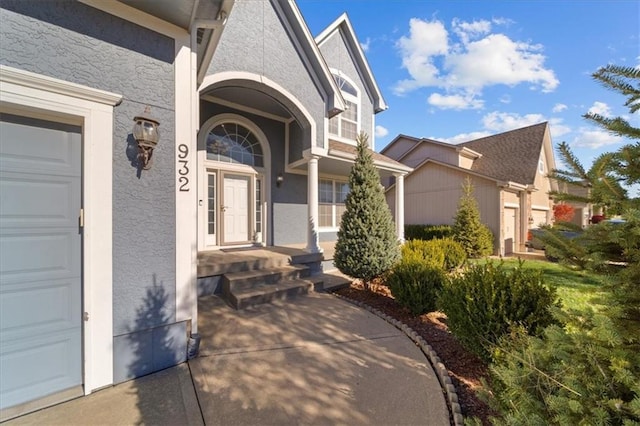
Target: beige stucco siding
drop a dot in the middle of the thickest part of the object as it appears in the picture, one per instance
(465, 162)
(432, 193)
(432, 151)
(399, 147)
(511, 199)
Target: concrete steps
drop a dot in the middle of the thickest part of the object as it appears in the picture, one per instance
(248, 288)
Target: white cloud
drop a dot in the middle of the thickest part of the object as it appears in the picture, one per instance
(504, 121)
(470, 30)
(458, 102)
(595, 138)
(366, 44)
(558, 128)
(559, 108)
(505, 99)
(498, 122)
(381, 131)
(464, 137)
(426, 40)
(600, 108)
(469, 58)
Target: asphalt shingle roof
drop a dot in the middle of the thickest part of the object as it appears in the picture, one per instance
(510, 156)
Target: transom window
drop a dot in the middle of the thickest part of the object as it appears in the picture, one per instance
(331, 197)
(346, 124)
(234, 143)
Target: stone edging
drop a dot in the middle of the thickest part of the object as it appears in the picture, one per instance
(432, 356)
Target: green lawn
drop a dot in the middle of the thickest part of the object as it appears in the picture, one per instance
(576, 289)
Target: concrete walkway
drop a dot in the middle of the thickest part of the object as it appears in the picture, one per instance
(313, 360)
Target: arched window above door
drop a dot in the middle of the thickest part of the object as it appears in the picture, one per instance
(233, 143)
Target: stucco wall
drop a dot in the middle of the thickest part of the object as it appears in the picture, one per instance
(432, 193)
(433, 151)
(399, 147)
(77, 43)
(255, 41)
(337, 55)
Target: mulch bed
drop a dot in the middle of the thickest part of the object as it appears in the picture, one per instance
(465, 369)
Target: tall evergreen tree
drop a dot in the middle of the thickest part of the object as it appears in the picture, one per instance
(468, 230)
(367, 244)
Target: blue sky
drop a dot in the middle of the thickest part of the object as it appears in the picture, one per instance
(457, 70)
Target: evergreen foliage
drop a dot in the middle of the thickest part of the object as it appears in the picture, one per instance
(474, 236)
(427, 232)
(486, 301)
(367, 244)
(573, 375)
(588, 372)
(443, 253)
(415, 285)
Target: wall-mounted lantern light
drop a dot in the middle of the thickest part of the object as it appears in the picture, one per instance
(279, 180)
(145, 132)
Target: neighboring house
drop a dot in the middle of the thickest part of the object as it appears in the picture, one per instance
(98, 258)
(508, 172)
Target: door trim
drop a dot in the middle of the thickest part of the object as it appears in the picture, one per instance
(34, 95)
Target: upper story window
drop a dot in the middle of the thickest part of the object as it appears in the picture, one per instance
(541, 166)
(347, 123)
(234, 143)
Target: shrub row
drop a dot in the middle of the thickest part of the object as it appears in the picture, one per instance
(482, 304)
(427, 232)
(443, 253)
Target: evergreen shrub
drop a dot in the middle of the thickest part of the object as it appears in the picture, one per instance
(427, 232)
(468, 229)
(367, 245)
(423, 251)
(484, 302)
(415, 285)
(443, 253)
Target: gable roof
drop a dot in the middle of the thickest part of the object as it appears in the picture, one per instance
(304, 39)
(343, 25)
(510, 156)
(381, 161)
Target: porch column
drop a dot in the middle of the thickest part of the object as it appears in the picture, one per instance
(400, 206)
(313, 238)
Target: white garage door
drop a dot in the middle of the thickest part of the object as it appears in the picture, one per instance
(40, 259)
(509, 226)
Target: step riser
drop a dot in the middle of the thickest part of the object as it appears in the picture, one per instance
(242, 266)
(239, 284)
(245, 302)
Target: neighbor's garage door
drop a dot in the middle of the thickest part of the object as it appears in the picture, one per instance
(539, 218)
(40, 259)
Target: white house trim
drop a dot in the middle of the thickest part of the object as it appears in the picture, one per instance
(28, 93)
(537, 207)
(138, 17)
(512, 205)
(242, 75)
(186, 196)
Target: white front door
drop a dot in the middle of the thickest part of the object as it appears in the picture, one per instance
(236, 209)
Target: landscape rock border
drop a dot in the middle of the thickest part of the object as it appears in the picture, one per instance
(455, 411)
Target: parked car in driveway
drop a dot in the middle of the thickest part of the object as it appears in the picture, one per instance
(534, 241)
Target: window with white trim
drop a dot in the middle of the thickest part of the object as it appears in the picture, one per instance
(331, 202)
(541, 166)
(346, 124)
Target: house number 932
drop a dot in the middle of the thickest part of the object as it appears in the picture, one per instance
(183, 167)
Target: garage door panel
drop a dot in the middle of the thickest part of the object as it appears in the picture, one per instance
(30, 256)
(39, 366)
(53, 306)
(28, 145)
(40, 259)
(38, 201)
